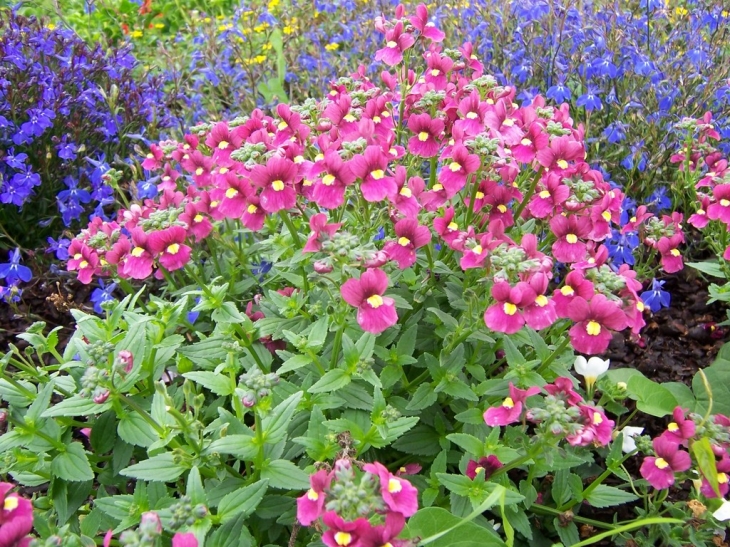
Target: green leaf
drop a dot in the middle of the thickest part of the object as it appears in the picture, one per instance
(445, 318)
(104, 433)
(607, 496)
(718, 378)
(160, 468)
(242, 501)
(133, 429)
(75, 406)
(284, 474)
(458, 484)
(651, 397)
(276, 424)
(227, 313)
(705, 457)
(513, 355)
(331, 381)
(710, 268)
(471, 444)
(231, 534)
(73, 464)
(216, 382)
(294, 363)
(423, 397)
(241, 446)
(194, 489)
(433, 520)
(568, 534)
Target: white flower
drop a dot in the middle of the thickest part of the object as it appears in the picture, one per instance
(590, 369)
(627, 435)
(723, 513)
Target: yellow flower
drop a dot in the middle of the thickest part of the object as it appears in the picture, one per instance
(332, 46)
(50, 26)
(135, 34)
(288, 30)
(266, 47)
(160, 25)
(207, 20)
(680, 11)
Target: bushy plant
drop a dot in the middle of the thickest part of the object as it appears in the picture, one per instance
(68, 112)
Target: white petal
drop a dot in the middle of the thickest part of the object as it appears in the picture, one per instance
(598, 366)
(580, 365)
(723, 513)
(627, 434)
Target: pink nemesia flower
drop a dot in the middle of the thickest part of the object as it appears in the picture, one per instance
(318, 225)
(561, 151)
(531, 143)
(569, 231)
(375, 312)
(700, 219)
(411, 236)
(427, 30)
(510, 410)
(82, 259)
(540, 314)
(169, 246)
(447, 228)
(334, 176)
(232, 192)
(187, 539)
(659, 470)
(384, 535)
(562, 388)
(547, 201)
(471, 112)
(407, 193)
(426, 130)
(311, 504)
(594, 321)
(398, 494)
(277, 180)
(16, 518)
(671, 257)
(723, 468)
(396, 42)
(371, 167)
(506, 315)
(488, 465)
(342, 533)
(597, 428)
(153, 160)
(680, 429)
(138, 263)
(458, 165)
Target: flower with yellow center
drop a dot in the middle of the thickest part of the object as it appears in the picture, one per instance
(312, 494)
(508, 403)
(231, 193)
(593, 328)
(199, 171)
(562, 164)
(391, 44)
(541, 300)
(11, 503)
(377, 174)
(454, 166)
(526, 142)
(404, 241)
(375, 301)
(173, 249)
(423, 136)
(277, 185)
(453, 226)
(661, 463)
(223, 145)
(83, 264)
(502, 208)
(509, 122)
(252, 209)
(137, 252)
(328, 180)
(510, 309)
(571, 238)
(343, 538)
(472, 115)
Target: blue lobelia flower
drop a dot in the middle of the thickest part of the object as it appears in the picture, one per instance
(101, 295)
(14, 271)
(656, 298)
(590, 100)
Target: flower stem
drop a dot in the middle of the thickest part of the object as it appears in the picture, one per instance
(528, 195)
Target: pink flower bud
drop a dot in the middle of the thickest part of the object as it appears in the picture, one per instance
(377, 260)
(324, 125)
(126, 359)
(101, 397)
(150, 524)
(321, 267)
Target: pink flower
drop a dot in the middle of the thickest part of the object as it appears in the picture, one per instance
(16, 518)
(594, 321)
(569, 231)
(488, 465)
(398, 494)
(546, 202)
(723, 468)
(561, 151)
(576, 285)
(233, 192)
(153, 160)
(447, 228)
(660, 470)
(506, 315)
(671, 257)
(319, 226)
(371, 168)
(407, 193)
(471, 114)
(385, 534)
(510, 410)
(184, 540)
(427, 30)
(562, 388)
(277, 180)
(342, 533)
(396, 42)
(426, 130)
(411, 236)
(597, 428)
(540, 314)
(83, 259)
(169, 246)
(680, 429)
(334, 176)
(531, 143)
(375, 312)
(457, 169)
(310, 505)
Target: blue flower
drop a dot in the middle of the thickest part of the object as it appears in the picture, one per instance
(101, 295)
(658, 200)
(656, 298)
(559, 93)
(60, 247)
(261, 269)
(13, 271)
(589, 100)
(621, 247)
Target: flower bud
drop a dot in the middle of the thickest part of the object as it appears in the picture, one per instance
(101, 397)
(150, 524)
(248, 400)
(126, 360)
(322, 267)
(377, 260)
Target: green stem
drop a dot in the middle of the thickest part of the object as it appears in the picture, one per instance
(528, 195)
(549, 361)
(336, 347)
(552, 511)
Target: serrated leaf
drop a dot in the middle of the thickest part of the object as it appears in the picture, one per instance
(294, 363)
(284, 474)
(216, 382)
(607, 496)
(160, 468)
(276, 424)
(75, 406)
(242, 501)
(73, 464)
(133, 429)
(194, 488)
(423, 397)
(331, 381)
(471, 444)
(241, 446)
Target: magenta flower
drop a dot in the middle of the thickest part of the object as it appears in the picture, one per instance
(253, 215)
(169, 247)
(318, 225)
(576, 285)
(506, 315)
(371, 168)
(597, 428)
(457, 168)
(720, 210)
(659, 470)
(475, 251)
(471, 114)
(570, 230)
(16, 518)
(448, 229)
(396, 42)
(562, 388)
(411, 236)
(540, 314)
(671, 257)
(407, 193)
(233, 193)
(184, 540)
(487, 465)
(427, 30)
(546, 202)
(82, 259)
(561, 151)
(277, 180)
(311, 504)
(594, 321)
(510, 410)
(531, 143)
(426, 131)
(139, 262)
(398, 494)
(723, 468)
(680, 429)
(375, 312)
(153, 160)
(334, 176)
(384, 535)
(342, 533)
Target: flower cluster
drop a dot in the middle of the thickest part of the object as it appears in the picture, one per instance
(358, 509)
(458, 159)
(65, 110)
(150, 528)
(13, 273)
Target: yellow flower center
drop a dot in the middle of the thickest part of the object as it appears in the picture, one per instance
(438, 187)
(571, 238)
(319, 157)
(477, 250)
(394, 486)
(640, 306)
(722, 478)
(377, 174)
(453, 226)
(198, 218)
(661, 463)
(350, 118)
(606, 216)
(509, 122)
(404, 241)
(223, 145)
(435, 72)
(525, 142)
(137, 252)
(567, 290)
(673, 426)
(173, 249)
(277, 185)
(214, 203)
(405, 192)
(675, 252)
(376, 119)
(454, 166)
(544, 194)
(391, 44)
(385, 114)
(11, 503)
(299, 159)
(479, 195)
(593, 328)
(328, 180)
(223, 170)
(562, 164)
(282, 125)
(501, 208)
(150, 156)
(78, 256)
(509, 308)
(199, 171)
(423, 136)
(597, 418)
(252, 209)
(343, 538)
(508, 402)
(375, 301)
(472, 115)
(231, 193)
(312, 494)
(83, 264)
(541, 300)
